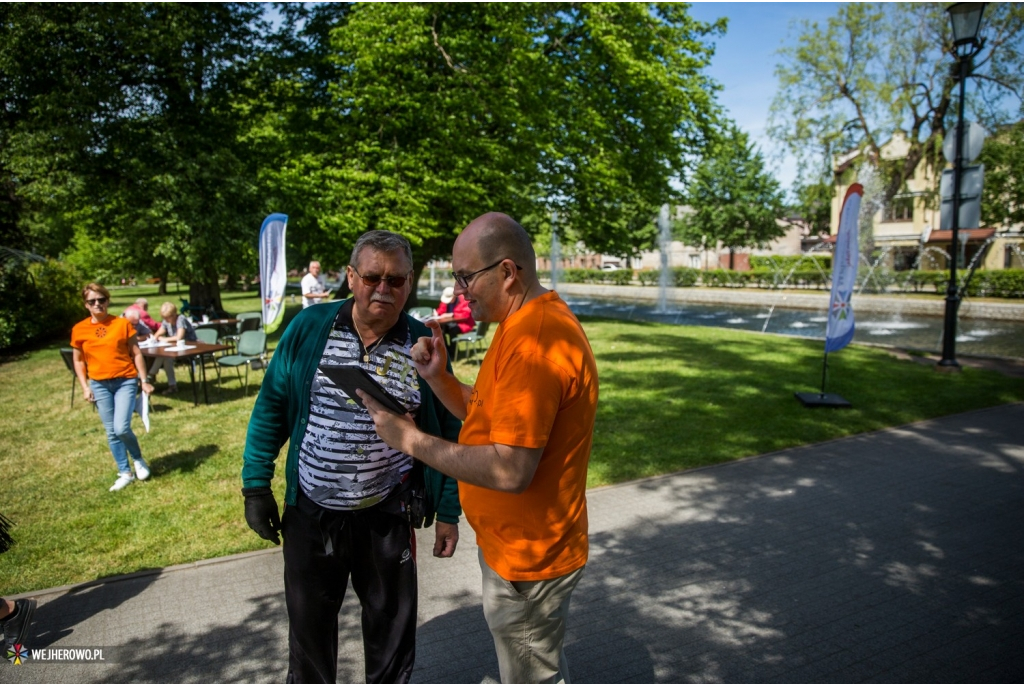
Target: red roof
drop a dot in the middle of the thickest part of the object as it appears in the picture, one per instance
(969, 234)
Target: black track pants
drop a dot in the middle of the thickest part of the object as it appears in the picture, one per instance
(375, 547)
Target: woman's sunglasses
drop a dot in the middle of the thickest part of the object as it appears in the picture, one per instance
(97, 301)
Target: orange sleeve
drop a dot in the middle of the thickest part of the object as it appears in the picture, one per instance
(523, 413)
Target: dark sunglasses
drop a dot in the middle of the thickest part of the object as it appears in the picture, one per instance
(98, 300)
(374, 280)
(463, 281)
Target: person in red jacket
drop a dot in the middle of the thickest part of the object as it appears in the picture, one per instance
(454, 316)
(142, 305)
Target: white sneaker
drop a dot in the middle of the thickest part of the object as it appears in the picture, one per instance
(141, 469)
(123, 479)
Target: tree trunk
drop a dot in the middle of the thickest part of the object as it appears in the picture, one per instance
(732, 253)
(206, 293)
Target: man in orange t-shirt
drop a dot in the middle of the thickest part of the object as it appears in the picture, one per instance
(521, 460)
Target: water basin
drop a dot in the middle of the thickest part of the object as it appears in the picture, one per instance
(975, 336)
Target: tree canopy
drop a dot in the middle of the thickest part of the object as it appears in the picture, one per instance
(434, 114)
(733, 200)
(154, 137)
(1002, 200)
(121, 130)
(874, 69)
(813, 205)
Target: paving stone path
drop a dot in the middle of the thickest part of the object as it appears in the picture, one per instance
(890, 556)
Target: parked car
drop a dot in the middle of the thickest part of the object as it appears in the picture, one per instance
(610, 267)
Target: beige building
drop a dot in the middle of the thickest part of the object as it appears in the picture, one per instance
(907, 231)
(704, 257)
(716, 257)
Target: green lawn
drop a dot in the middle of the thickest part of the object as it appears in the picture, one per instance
(671, 398)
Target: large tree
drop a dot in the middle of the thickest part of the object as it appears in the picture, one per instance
(1002, 200)
(162, 133)
(438, 113)
(128, 131)
(813, 205)
(733, 200)
(50, 86)
(874, 69)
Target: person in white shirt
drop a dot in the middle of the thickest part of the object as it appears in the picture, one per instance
(314, 290)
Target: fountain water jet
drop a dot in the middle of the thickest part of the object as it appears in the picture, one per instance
(665, 244)
(556, 251)
(780, 285)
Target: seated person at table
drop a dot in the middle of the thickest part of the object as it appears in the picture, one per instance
(454, 316)
(142, 304)
(175, 328)
(141, 329)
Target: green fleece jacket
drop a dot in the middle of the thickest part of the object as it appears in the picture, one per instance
(282, 409)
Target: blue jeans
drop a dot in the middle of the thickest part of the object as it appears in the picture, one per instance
(115, 400)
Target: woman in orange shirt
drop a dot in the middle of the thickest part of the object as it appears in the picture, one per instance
(109, 364)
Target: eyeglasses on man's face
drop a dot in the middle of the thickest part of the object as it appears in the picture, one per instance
(96, 302)
(464, 279)
(373, 280)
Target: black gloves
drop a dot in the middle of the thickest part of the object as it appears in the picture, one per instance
(261, 513)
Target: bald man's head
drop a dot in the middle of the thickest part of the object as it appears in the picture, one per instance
(495, 236)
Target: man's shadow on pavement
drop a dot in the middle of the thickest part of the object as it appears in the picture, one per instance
(58, 618)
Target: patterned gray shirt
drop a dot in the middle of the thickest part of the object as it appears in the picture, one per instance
(343, 463)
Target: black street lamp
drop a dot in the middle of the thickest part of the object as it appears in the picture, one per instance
(966, 18)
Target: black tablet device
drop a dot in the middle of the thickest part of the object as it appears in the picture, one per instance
(351, 377)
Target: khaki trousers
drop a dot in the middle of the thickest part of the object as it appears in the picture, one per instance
(527, 621)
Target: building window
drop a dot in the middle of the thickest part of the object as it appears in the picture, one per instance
(904, 258)
(695, 261)
(900, 208)
(1014, 258)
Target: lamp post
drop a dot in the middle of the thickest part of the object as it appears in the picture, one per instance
(966, 19)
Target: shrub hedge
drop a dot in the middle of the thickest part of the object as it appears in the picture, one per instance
(617, 277)
(38, 301)
(685, 277)
(1005, 283)
(787, 262)
(648, 276)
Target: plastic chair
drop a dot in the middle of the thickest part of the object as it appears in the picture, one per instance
(252, 346)
(420, 312)
(208, 336)
(68, 354)
(245, 316)
(247, 321)
(473, 340)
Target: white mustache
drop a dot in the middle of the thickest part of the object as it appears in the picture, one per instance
(381, 297)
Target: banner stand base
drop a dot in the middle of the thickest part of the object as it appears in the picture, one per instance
(813, 400)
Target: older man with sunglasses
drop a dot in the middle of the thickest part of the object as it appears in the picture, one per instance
(350, 500)
(522, 455)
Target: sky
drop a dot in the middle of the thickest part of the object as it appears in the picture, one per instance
(745, 59)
